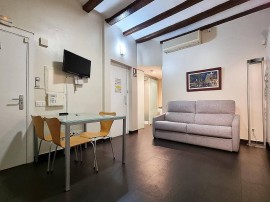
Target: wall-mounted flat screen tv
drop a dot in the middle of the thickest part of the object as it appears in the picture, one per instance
(75, 64)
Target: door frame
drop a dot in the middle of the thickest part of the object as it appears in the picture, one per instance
(29, 104)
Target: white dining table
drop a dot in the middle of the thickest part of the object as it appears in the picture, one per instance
(77, 119)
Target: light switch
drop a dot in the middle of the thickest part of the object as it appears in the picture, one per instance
(37, 80)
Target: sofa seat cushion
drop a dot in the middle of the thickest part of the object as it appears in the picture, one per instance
(180, 117)
(171, 126)
(214, 119)
(212, 131)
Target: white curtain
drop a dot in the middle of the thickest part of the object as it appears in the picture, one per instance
(268, 84)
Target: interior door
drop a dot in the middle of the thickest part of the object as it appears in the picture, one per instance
(153, 98)
(13, 68)
(119, 97)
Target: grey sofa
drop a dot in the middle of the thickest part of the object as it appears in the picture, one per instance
(210, 123)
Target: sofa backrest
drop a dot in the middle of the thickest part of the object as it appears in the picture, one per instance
(181, 111)
(204, 112)
(182, 106)
(215, 107)
(215, 112)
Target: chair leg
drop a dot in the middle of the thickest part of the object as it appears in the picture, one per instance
(81, 152)
(54, 158)
(76, 154)
(96, 155)
(112, 147)
(39, 149)
(49, 158)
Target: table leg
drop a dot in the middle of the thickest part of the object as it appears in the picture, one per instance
(124, 143)
(67, 156)
(85, 129)
(35, 146)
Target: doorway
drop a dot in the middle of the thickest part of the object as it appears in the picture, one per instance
(256, 102)
(150, 99)
(152, 92)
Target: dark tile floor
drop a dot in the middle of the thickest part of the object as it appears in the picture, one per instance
(155, 170)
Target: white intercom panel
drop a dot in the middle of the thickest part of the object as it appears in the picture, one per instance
(56, 99)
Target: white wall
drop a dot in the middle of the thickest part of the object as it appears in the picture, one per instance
(149, 53)
(113, 37)
(229, 46)
(66, 26)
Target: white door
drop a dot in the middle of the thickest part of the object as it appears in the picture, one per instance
(140, 94)
(153, 98)
(146, 100)
(13, 68)
(119, 97)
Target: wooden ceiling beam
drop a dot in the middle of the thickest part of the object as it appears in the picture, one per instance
(90, 5)
(208, 13)
(239, 15)
(131, 8)
(162, 16)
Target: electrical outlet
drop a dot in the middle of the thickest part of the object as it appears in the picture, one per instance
(40, 103)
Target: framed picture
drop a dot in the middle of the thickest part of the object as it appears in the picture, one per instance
(207, 79)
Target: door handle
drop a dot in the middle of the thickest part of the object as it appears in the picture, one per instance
(20, 99)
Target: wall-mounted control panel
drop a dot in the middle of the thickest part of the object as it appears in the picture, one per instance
(56, 99)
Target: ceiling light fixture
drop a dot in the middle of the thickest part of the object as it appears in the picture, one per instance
(122, 49)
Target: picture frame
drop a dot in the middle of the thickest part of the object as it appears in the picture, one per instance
(204, 80)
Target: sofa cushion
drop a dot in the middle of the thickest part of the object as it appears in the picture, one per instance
(213, 131)
(182, 106)
(171, 126)
(214, 119)
(215, 107)
(179, 117)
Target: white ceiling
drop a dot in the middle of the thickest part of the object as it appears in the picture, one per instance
(107, 8)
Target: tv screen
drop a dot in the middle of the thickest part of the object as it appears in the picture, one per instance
(75, 64)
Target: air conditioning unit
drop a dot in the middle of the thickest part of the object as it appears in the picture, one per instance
(182, 42)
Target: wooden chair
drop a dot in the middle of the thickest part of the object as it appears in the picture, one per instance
(105, 127)
(55, 128)
(38, 123)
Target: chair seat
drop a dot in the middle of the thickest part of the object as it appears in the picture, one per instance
(91, 135)
(75, 141)
(49, 137)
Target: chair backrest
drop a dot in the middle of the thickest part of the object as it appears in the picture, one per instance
(105, 126)
(38, 123)
(54, 126)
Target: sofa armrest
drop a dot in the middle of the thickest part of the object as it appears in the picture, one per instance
(236, 133)
(157, 118)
